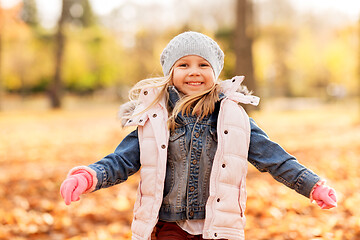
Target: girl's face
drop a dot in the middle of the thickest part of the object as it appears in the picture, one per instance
(193, 74)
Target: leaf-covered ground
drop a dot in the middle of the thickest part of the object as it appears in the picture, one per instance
(38, 147)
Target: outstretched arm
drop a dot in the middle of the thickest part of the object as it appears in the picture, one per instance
(268, 156)
(116, 167)
(112, 169)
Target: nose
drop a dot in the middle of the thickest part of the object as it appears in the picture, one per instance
(194, 72)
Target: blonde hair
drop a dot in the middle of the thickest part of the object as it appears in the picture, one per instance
(201, 104)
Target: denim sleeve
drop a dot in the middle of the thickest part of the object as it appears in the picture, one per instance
(116, 167)
(268, 156)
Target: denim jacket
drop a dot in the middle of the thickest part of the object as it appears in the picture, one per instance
(191, 151)
(264, 154)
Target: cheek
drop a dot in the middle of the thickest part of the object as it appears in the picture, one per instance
(175, 81)
(211, 78)
(178, 77)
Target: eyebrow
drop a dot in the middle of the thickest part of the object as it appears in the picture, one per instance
(181, 62)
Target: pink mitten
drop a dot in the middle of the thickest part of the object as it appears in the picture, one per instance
(324, 196)
(75, 185)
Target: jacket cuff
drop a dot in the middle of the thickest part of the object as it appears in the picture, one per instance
(93, 180)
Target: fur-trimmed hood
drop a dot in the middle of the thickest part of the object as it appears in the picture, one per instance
(126, 110)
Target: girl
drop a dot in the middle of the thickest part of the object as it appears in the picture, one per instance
(192, 142)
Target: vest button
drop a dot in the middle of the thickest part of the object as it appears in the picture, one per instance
(223, 165)
(194, 162)
(191, 214)
(197, 134)
(163, 146)
(145, 92)
(215, 234)
(226, 131)
(192, 188)
(154, 115)
(218, 200)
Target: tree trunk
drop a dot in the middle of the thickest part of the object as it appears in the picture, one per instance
(56, 87)
(243, 43)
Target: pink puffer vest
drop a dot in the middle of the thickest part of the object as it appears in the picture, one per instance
(226, 204)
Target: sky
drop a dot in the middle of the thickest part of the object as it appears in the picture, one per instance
(49, 10)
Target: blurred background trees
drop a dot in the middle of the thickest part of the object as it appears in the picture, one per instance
(283, 52)
(243, 39)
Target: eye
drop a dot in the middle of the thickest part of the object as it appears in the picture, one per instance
(204, 65)
(182, 65)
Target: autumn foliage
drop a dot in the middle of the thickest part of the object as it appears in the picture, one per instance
(37, 148)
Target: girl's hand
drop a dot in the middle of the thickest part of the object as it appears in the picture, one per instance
(324, 196)
(75, 185)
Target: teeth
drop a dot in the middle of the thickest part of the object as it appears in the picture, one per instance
(194, 83)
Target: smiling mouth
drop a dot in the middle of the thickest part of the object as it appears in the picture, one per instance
(194, 83)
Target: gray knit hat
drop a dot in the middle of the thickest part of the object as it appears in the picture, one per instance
(192, 43)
